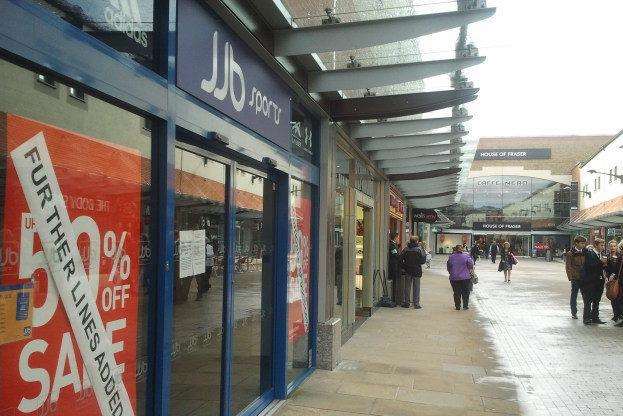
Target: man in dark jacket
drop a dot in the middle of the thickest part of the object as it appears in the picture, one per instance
(411, 259)
(393, 266)
(592, 282)
(493, 250)
(574, 263)
(475, 251)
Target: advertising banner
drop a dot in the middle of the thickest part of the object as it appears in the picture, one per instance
(217, 67)
(71, 228)
(299, 263)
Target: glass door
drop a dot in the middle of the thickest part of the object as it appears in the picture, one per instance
(199, 282)
(253, 283)
(199, 226)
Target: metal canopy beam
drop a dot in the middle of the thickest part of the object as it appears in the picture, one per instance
(439, 202)
(378, 76)
(416, 161)
(423, 175)
(437, 195)
(363, 34)
(400, 128)
(399, 105)
(421, 168)
(410, 152)
(408, 141)
(423, 184)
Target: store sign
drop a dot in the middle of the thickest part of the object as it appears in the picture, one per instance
(217, 67)
(302, 136)
(513, 154)
(74, 237)
(506, 183)
(429, 216)
(502, 226)
(396, 206)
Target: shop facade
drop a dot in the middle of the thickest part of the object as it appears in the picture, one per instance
(359, 221)
(160, 213)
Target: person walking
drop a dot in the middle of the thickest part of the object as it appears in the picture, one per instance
(427, 253)
(507, 261)
(459, 265)
(475, 251)
(611, 274)
(493, 251)
(574, 263)
(592, 282)
(411, 259)
(394, 268)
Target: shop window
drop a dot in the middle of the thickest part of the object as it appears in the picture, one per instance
(75, 243)
(299, 281)
(342, 168)
(125, 25)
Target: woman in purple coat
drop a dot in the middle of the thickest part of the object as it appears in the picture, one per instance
(459, 265)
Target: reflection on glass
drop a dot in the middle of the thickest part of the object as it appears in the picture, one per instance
(198, 284)
(543, 203)
(103, 170)
(342, 169)
(360, 258)
(126, 25)
(299, 278)
(253, 289)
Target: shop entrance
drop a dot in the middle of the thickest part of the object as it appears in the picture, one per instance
(204, 308)
(363, 262)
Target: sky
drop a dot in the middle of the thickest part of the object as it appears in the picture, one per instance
(554, 67)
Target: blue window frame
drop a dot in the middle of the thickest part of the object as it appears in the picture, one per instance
(35, 37)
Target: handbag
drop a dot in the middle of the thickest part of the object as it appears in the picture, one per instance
(513, 259)
(473, 277)
(613, 287)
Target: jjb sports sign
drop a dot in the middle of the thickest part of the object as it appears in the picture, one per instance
(215, 66)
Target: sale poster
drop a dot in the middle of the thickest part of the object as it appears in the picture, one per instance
(71, 228)
(299, 263)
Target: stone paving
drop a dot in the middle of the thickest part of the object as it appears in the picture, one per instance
(515, 352)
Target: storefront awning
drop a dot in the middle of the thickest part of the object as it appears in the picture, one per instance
(399, 105)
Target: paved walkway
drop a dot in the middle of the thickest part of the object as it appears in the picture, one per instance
(515, 352)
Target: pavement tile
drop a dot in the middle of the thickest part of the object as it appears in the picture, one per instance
(515, 352)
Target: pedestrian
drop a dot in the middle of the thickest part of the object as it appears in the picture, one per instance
(427, 253)
(611, 274)
(475, 251)
(493, 251)
(394, 267)
(203, 280)
(507, 261)
(411, 259)
(574, 263)
(459, 265)
(592, 282)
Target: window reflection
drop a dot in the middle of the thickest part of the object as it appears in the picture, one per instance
(544, 203)
(198, 284)
(253, 289)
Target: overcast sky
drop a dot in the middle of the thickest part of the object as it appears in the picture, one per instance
(553, 67)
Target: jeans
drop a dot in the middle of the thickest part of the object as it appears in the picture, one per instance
(493, 257)
(411, 282)
(397, 289)
(461, 289)
(575, 288)
(591, 295)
